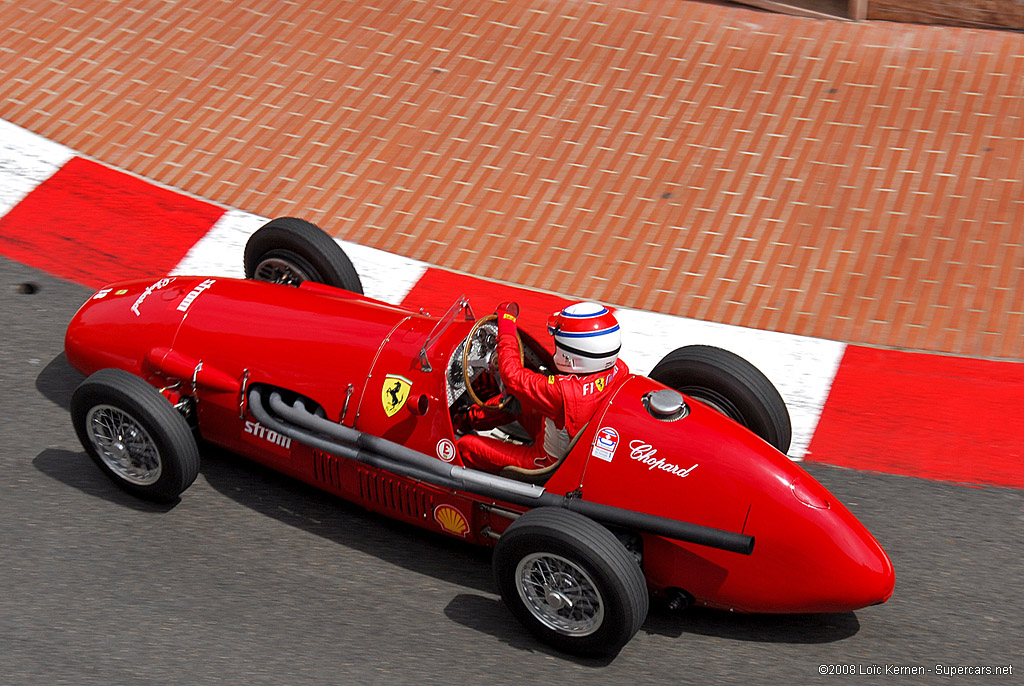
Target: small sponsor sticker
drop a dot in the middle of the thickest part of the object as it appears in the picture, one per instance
(599, 384)
(265, 435)
(101, 294)
(451, 520)
(446, 449)
(394, 393)
(605, 443)
(162, 283)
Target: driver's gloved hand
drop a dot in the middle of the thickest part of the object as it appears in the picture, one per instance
(461, 423)
(507, 313)
(507, 307)
(479, 418)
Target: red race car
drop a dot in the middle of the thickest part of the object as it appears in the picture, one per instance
(677, 487)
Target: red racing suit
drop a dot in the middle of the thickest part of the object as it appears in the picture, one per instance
(555, 408)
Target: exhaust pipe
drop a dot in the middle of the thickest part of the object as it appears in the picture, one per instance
(678, 599)
(298, 423)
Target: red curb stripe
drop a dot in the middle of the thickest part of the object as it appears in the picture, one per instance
(89, 223)
(915, 414)
(930, 416)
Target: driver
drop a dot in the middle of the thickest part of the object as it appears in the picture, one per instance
(556, 408)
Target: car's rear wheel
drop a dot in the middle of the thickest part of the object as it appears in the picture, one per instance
(570, 582)
(289, 251)
(134, 435)
(730, 384)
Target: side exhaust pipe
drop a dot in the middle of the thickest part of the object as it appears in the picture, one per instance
(298, 423)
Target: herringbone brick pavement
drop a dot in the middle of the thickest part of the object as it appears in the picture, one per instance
(859, 182)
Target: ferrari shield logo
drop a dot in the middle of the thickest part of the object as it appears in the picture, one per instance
(394, 393)
(599, 382)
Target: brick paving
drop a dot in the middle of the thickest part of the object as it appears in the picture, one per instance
(857, 182)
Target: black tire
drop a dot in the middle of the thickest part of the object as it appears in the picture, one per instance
(595, 560)
(289, 250)
(731, 385)
(135, 435)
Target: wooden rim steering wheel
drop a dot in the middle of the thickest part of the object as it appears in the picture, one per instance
(482, 345)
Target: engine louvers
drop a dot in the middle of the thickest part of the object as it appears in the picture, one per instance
(393, 495)
(327, 468)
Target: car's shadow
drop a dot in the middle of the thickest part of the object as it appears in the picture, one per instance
(453, 561)
(799, 629)
(490, 616)
(58, 380)
(314, 511)
(76, 470)
(311, 510)
(275, 495)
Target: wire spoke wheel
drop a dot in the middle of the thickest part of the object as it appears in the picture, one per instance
(560, 594)
(123, 445)
(282, 271)
(291, 251)
(135, 435)
(570, 581)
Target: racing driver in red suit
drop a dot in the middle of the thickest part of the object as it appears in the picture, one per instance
(556, 408)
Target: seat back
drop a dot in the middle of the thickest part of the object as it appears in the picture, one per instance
(541, 475)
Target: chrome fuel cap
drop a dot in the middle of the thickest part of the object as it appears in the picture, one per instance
(666, 405)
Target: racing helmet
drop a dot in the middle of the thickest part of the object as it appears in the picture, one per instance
(587, 338)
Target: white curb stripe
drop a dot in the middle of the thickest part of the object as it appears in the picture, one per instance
(384, 276)
(801, 368)
(26, 160)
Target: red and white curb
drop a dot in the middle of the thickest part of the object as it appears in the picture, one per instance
(907, 413)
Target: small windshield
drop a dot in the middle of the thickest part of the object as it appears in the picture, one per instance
(460, 305)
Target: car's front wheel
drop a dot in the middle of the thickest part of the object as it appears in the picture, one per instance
(289, 251)
(135, 436)
(570, 582)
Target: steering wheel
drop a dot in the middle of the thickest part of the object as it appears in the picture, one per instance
(480, 363)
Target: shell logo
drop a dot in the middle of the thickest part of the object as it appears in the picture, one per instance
(451, 520)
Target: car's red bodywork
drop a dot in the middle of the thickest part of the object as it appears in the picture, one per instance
(339, 349)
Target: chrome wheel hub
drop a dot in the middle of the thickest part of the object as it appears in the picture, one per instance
(123, 445)
(277, 270)
(560, 594)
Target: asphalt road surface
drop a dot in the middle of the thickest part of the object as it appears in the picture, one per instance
(256, 579)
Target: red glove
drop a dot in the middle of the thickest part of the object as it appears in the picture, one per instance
(507, 313)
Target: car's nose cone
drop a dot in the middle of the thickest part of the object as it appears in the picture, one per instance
(872, 578)
(850, 569)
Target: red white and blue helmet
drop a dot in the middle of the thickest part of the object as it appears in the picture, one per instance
(587, 338)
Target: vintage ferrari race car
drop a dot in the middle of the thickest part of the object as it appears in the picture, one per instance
(678, 487)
